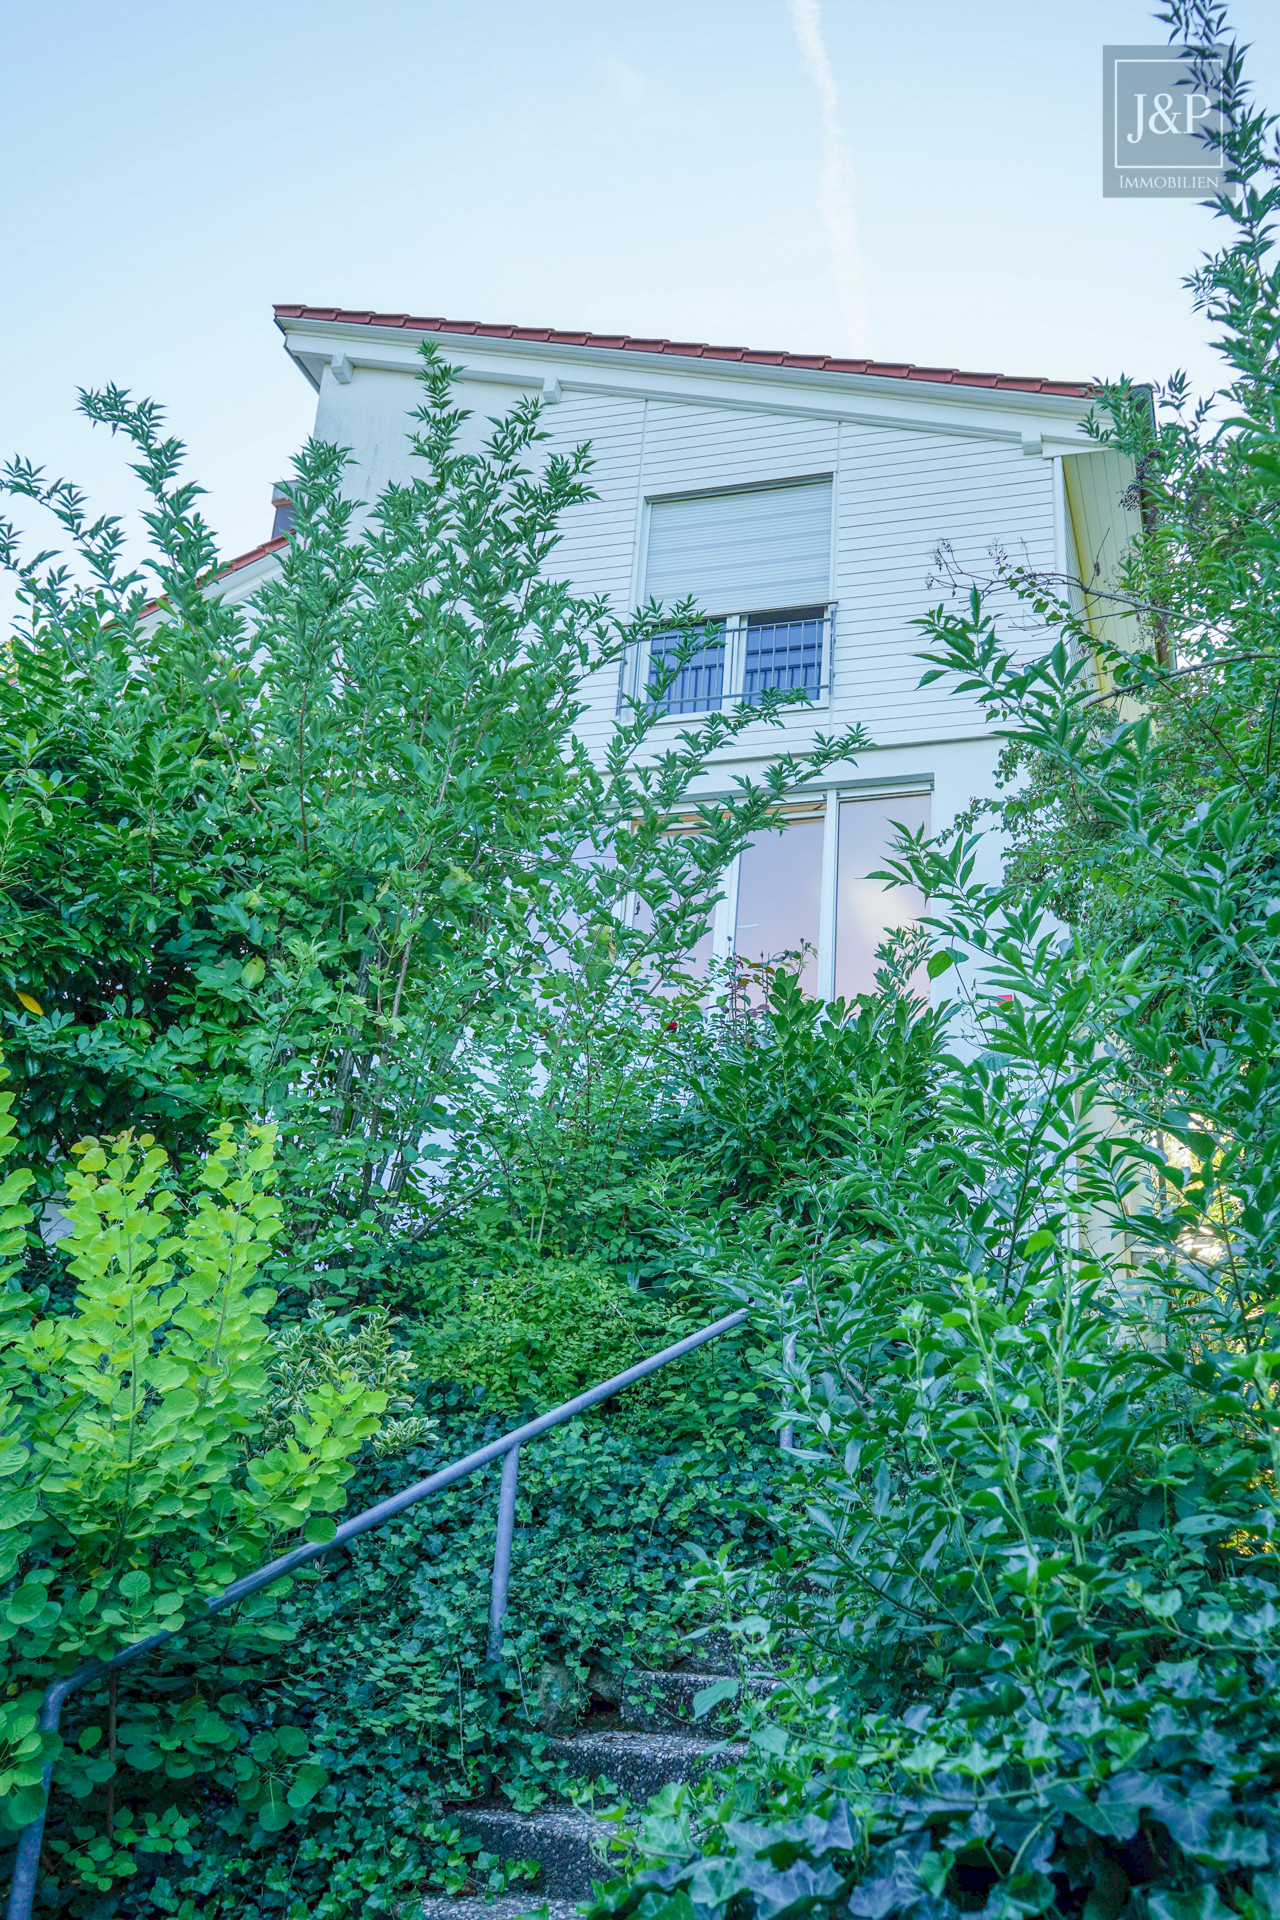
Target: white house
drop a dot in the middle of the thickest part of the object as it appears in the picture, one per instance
(801, 499)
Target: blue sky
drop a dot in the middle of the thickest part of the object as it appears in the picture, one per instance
(655, 168)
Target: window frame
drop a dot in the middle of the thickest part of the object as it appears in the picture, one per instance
(635, 670)
(802, 806)
(735, 627)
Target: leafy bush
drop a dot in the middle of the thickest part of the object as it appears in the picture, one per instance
(314, 859)
(531, 1334)
(145, 1469)
(1032, 1570)
(781, 1094)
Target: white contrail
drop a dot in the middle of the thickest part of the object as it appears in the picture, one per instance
(835, 182)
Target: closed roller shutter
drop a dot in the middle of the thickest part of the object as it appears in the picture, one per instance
(742, 552)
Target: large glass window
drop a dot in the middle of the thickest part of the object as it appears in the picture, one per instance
(780, 896)
(867, 909)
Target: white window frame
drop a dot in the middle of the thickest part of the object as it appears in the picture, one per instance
(725, 917)
(634, 674)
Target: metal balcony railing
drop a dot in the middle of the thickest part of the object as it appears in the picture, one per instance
(785, 653)
(752, 655)
(26, 1864)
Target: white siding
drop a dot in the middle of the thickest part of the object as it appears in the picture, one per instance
(598, 551)
(690, 447)
(898, 494)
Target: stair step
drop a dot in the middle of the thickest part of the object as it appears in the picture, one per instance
(663, 1702)
(569, 1847)
(639, 1763)
(507, 1906)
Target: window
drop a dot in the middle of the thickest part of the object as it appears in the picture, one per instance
(757, 561)
(780, 896)
(866, 910)
(783, 650)
(807, 886)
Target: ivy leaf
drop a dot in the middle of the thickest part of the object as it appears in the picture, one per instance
(708, 1698)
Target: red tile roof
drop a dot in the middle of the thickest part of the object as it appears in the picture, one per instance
(255, 553)
(691, 350)
(230, 566)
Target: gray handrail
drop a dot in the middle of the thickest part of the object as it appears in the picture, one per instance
(26, 1864)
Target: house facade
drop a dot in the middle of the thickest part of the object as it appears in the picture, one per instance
(801, 501)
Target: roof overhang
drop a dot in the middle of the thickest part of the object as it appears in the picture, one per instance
(1043, 421)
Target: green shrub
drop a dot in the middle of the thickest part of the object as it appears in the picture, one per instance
(532, 1333)
(145, 1469)
(1030, 1580)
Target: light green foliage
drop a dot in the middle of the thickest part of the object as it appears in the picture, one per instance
(532, 1334)
(326, 1351)
(141, 1409)
(145, 1466)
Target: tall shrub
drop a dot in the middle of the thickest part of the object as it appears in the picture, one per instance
(1037, 1397)
(280, 860)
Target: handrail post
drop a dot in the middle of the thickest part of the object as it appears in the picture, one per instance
(26, 1859)
(502, 1550)
(786, 1438)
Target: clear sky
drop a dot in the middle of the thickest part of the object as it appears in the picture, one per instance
(916, 180)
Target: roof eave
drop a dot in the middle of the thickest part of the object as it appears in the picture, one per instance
(957, 390)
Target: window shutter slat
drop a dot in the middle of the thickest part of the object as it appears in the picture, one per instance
(768, 547)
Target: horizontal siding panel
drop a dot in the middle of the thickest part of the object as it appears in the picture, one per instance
(897, 496)
(900, 497)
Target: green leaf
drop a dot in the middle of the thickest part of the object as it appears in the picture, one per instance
(18, 1507)
(320, 1530)
(708, 1698)
(1201, 1903)
(769, 1739)
(307, 1783)
(27, 1604)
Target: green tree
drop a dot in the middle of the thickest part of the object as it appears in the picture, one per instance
(296, 860)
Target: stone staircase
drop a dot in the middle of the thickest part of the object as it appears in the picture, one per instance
(628, 1748)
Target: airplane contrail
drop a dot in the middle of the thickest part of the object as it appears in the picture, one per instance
(836, 205)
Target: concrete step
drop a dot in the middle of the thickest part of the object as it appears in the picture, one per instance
(663, 1702)
(639, 1763)
(569, 1847)
(507, 1906)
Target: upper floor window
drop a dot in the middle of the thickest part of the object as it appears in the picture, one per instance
(749, 655)
(758, 562)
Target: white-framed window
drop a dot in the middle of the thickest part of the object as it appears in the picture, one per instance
(757, 561)
(750, 654)
(808, 886)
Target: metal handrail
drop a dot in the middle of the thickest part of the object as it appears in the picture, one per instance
(26, 1864)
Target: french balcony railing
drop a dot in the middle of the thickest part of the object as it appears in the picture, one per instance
(747, 660)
